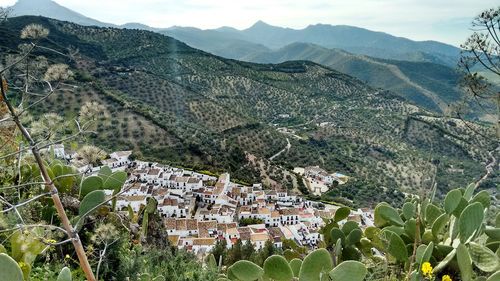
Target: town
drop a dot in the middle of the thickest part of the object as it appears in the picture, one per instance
(199, 209)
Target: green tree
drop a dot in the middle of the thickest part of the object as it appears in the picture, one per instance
(268, 250)
(235, 253)
(480, 61)
(248, 251)
(220, 251)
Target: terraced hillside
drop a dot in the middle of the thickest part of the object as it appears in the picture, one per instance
(177, 104)
(430, 85)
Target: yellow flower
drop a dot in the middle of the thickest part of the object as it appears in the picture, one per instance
(67, 257)
(427, 269)
(446, 278)
(23, 265)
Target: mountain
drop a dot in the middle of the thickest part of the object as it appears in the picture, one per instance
(173, 103)
(51, 9)
(214, 41)
(349, 38)
(431, 85)
(227, 41)
(430, 81)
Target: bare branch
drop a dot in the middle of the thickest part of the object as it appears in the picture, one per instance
(82, 256)
(12, 207)
(19, 60)
(23, 226)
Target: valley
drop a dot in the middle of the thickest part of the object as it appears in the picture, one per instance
(208, 112)
(312, 152)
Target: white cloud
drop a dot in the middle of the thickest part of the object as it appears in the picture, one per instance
(443, 20)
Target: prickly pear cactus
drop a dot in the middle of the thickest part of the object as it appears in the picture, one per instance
(91, 200)
(246, 271)
(90, 184)
(64, 275)
(9, 269)
(315, 265)
(348, 270)
(277, 268)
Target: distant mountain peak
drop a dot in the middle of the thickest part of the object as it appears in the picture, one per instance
(52, 9)
(260, 24)
(227, 29)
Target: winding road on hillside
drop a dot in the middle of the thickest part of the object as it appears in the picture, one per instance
(398, 73)
(287, 148)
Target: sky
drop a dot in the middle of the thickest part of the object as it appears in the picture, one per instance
(441, 20)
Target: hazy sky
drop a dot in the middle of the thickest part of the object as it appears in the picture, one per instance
(443, 20)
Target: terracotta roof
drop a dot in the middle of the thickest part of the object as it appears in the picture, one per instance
(208, 224)
(181, 224)
(245, 209)
(170, 223)
(275, 232)
(169, 202)
(259, 237)
(225, 226)
(264, 211)
(193, 180)
(136, 185)
(353, 217)
(203, 241)
(205, 226)
(218, 189)
(154, 172)
(192, 224)
(134, 198)
(159, 192)
(270, 192)
(236, 191)
(232, 231)
(244, 233)
(289, 212)
(174, 239)
(181, 179)
(306, 215)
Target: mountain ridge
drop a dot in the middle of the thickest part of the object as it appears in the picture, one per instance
(171, 102)
(251, 44)
(54, 10)
(380, 73)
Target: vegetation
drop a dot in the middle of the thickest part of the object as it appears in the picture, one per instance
(248, 221)
(178, 105)
(242, 251)
(58, 223)
(426, 239)
(357, 193)
(480, 52)
(47, 205)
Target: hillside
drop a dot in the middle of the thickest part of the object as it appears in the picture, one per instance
(422, 72)
(430, 85)
(262, 35)
(181, 105)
